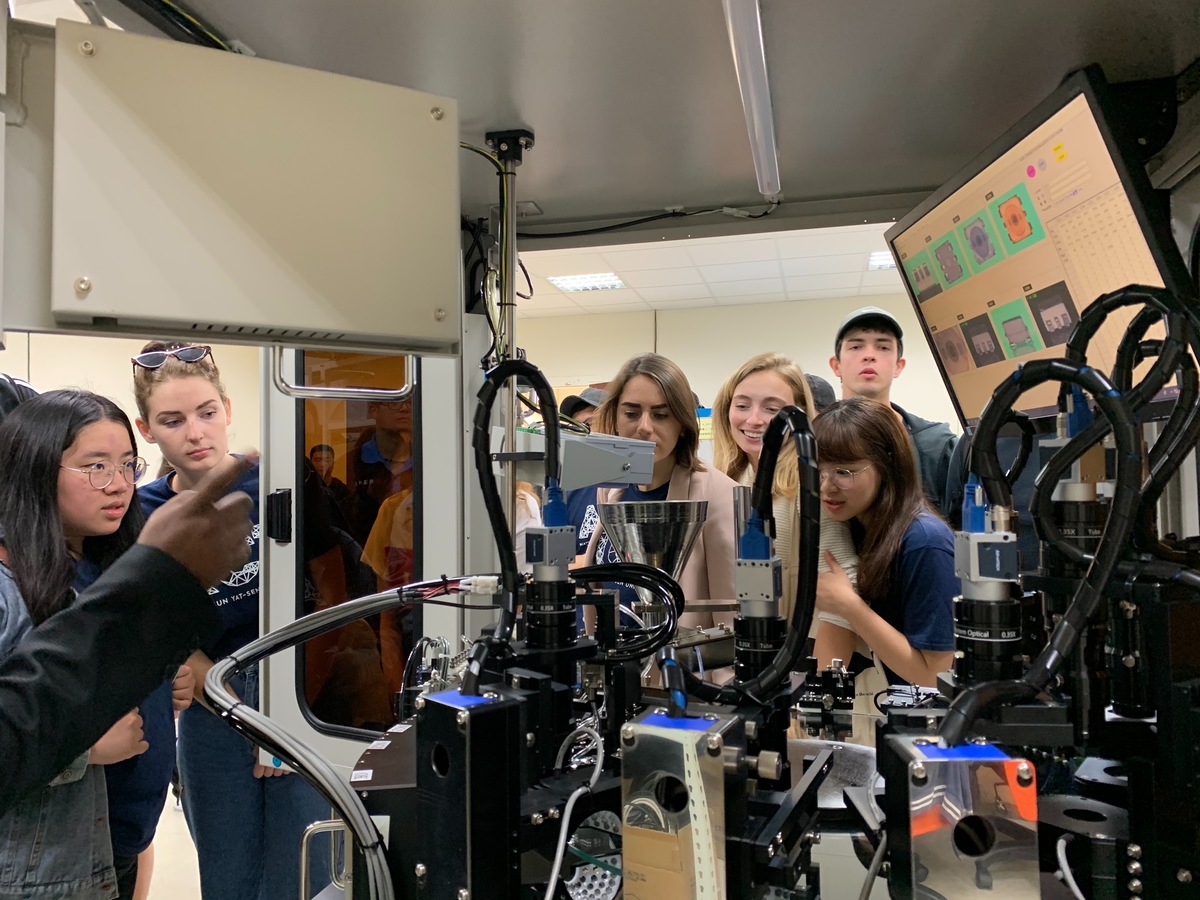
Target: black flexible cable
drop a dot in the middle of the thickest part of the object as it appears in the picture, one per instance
(481, 443)
(808, 543)
(1028, 434)
(1129, 351)
(652, 579)
(976, 699)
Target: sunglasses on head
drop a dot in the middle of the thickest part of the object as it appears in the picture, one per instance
(153, 359)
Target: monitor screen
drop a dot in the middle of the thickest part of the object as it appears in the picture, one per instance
(1000, 261)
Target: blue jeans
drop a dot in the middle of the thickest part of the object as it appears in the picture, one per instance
(247, 830)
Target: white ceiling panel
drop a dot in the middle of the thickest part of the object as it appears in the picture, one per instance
(720, 252)
(820, 295)
(573, 264)
(823, 265)
(758, 298)
(618, 308)
(881, 278)
(743, 288)
(653, 278)
(741, 271)
(531, 311)
(636, 258)
(821, 282)
(676, 293)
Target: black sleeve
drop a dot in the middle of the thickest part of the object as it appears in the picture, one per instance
(79, 671)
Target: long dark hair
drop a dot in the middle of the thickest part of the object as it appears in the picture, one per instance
(33, 438)
(858, 428)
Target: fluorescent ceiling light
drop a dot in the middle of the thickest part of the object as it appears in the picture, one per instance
(601, 281)
(880, 259)
(744, 22)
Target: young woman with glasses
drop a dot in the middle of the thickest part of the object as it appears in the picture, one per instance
(745, 405)
(902, 608)
(246, 826)
(68, 464)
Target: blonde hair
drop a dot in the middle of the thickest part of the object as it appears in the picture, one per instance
(678, 393)
(732, 459)
(146, 380)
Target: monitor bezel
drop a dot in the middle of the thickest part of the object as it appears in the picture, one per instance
(1156, 228)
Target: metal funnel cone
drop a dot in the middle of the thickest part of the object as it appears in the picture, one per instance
(659, 533)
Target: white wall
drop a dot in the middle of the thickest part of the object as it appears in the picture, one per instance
(101, 365)
(710, 342)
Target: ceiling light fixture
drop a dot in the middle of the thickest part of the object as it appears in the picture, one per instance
(601, 281)
(744, 22)
(880, 259)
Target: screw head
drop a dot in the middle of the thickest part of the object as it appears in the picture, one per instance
(713, 744)
(87, 48)
(1134, 851)
(627, 735)
(419, 870)
(464, 894)
(530, 739)
(1135, 885)
(419, 703)
(918, 773)
(461, 718)
(537, 818)
(437, 113)
(83, 285)
(1184, 876)
(1024, 774)
(439, 315)
(1134, 868)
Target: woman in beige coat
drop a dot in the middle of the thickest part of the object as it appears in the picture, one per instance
(650, 399)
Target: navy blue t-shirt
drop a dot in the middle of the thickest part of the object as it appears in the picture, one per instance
(920, 604)
(137, 787)
(236, 598)
(581, 512)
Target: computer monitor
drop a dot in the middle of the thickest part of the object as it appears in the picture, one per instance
(1001, 260)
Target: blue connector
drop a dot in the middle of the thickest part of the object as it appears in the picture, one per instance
(754, 543)
(554, 513)
(974, 507)
(1079, 414)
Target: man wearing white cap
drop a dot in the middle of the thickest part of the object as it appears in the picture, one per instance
(868, 355)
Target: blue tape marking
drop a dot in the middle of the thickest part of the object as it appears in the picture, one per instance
(658, 720)
(457, 700)
(976, 752)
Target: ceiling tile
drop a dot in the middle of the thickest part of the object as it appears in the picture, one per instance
(801, 243)
(747, 271)
(641, 257)
(618, 308)
(604, 298)
(823, 265)
(690, 303)
(675, 293)
(821, 282)
(759, 298)
(531, 313)
(715, 253)
(553, 263)
(547, 300)
(652, 278)
(820, 295)
(882, 278)
(744, 288)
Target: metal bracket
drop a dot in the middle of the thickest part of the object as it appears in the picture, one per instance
(376, 395)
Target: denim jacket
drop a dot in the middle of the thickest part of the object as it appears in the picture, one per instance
(55, 842)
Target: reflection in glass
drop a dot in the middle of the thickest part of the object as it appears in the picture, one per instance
(358, 510)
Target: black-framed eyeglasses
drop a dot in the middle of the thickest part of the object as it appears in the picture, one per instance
(101, 474)
(842, 478)
(153, 359)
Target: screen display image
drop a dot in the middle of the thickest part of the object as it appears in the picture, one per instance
(1003, 259)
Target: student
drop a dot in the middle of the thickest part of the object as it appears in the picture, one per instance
(246, 825)
(82, 669)
(745, 405)
(902, 609)
(582, 406)
(68, 465)
(868, 355)
(649, 399)
(322, 457)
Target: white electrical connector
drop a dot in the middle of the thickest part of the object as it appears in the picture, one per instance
(484, 584)
(735, 212)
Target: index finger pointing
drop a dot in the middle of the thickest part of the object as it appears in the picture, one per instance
(221, 477)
